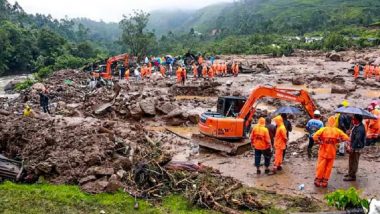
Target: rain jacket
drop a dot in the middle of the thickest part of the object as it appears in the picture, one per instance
(260, 138)
(281, 135)
(329, 137)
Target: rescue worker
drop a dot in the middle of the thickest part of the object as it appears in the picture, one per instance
(357, 143)
(377, 72)
(343, 122)
(220, 69)
(289, 128)
(143, 71)
(184, 75)
(27, 111)
(179, 74)
(162, 70)
(236, 70)
(260, 141)
(211, 73)
(272, 130)
(280, 140)
(149, 69)
(366, 70)
(372, 127)
(195, 70)
(200, 60)
(327, 138)
(204, 71)
(371, 70)
(312, 127)
(224, 68)
(127, 73)
(44, 101)
(356, 71)
(233, 68)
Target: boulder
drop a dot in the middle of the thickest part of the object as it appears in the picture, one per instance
(44, 167)
(298, 80)
(377, 61)
(166, 107)
(136, 111)
(98, 170)
(334, 56)
(148, 106)
(87, 179)
(38, 86)
(229, 83)
(342, 89)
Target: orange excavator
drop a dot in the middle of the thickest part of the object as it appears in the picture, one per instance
(107, 74)
(227, 129)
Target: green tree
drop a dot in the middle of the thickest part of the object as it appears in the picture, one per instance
(136, 38)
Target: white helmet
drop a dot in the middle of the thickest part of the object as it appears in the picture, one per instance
(317, 112)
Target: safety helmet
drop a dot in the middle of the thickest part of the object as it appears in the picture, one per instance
(345, 103)
(317, 112)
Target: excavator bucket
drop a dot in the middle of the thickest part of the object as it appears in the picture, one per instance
(229, 147)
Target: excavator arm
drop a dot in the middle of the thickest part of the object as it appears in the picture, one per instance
(299, 96)
(110, 61)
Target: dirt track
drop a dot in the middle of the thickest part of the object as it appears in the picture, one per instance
(99, 148)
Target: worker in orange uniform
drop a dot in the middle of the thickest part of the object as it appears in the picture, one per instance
(356, 71)
(236, 69)
(127, 73)
(179, 74)
(149, 69)
(377, 72)
(195, 70)
(211, 73)
(261, 142)
(143, 71)
(280, 140)
(200, 60)
(162, 70)
(328, 138)
(224, 69)
(366, 70)
(372, 126)
(184, 75)
(233, 68)
(371, 70)
(204, 71)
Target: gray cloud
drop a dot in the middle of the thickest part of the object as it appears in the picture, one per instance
(111, 10)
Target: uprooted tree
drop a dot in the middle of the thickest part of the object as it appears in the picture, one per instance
(135, 37)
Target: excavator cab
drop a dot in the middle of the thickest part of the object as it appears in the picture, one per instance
(230, 106)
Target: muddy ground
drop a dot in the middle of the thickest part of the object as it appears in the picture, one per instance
(114, 136)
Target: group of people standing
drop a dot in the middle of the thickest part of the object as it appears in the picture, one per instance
(369, 71)
(200, 68)
(341, 130)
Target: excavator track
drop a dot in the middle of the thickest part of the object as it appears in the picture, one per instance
(229, 147)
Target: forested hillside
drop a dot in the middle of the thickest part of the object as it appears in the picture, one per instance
(275, 16)
(41, 43)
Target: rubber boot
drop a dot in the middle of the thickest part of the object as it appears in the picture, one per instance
(317, 182)
(324, 183)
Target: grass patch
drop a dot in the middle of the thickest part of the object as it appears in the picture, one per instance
(46, 198)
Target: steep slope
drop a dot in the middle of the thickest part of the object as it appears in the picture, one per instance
(277, 16)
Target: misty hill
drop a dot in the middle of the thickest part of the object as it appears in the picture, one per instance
(278, 16)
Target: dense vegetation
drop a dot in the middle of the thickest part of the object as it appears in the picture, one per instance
(41, 43)
(45, 198)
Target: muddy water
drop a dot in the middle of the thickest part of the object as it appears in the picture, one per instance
(5, 80)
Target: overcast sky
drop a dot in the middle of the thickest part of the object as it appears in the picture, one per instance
(106, 10)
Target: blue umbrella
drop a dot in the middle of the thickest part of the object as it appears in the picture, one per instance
(355, 110)
(287, 110)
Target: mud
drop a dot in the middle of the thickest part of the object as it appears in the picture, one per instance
(118, 136)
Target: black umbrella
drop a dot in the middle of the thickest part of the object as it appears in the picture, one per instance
(354, 110)
(287, 110)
